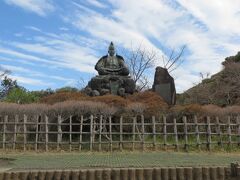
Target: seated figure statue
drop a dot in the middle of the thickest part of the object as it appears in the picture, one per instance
(113, 76)
(112, 64)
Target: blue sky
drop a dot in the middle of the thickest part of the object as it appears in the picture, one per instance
(52, 43)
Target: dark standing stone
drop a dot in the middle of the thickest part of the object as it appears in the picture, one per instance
(164, 85)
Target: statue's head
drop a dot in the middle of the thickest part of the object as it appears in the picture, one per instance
(111, 49)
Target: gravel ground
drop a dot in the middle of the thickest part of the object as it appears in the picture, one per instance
(96, 160)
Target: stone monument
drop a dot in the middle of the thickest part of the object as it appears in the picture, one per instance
(113, 76)
(164, 85)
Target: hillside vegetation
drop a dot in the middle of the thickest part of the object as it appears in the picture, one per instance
(222, 89)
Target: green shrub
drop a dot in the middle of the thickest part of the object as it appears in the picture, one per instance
(21, 96)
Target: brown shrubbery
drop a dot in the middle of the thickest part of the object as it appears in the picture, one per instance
(155, 105)
(144, 102)
(147, 103)
(63, 96)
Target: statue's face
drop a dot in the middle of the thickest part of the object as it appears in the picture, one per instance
(111, 51)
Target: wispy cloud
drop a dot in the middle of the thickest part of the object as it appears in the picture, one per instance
(31, 81)
(210, 31)
(204, 27)
(97, 3)
(40, 7)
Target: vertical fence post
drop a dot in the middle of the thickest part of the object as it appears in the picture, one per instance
(46, 133)
(80, 133)
(143, 132)
(4, 131)
(175, 133)
(154, 132)
(36, 134)
(185, 133)
(229, 131)
(209, 139)
(219, 132)
(165, 132)
(121, 133)
(110, 133)
(70, 133)
(15, 131)
(197, 133)
(24, 132)
(91, 133)
(238, 130)
(133, 133)
(59, 134)
(100, 134)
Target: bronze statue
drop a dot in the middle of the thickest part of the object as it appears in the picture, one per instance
(112, 64)
(113, 76)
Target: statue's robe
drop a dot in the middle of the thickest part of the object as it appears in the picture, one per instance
(112, 65)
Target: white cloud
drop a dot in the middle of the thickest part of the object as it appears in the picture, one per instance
(210, 29)
(207, 28)
(40, 7)
(96, 3)
(30, 81)
(221, 17)
(21, 55)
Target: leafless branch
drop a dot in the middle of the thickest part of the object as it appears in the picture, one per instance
(139, 61)
(177, 58)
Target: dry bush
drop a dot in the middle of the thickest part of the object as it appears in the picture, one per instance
(63, 96)
(65, 108)
(185, 110)
(213, 110)
(77, 96)
(111, 100)
(135, 108)
(155, 105)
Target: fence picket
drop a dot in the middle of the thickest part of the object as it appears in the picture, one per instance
(80, 133)
(70, 133)
(143, 132)
(46, 133)
(133, 132)
(197, 132)
(220, 143)
(5, 120)
(110, 133)
(24, 132)
(154, 132)
(36, 135)
(121, 134)
(16, 119)
(209, 139)
(176, 134)
(185, 133)
(165, 132)
(238, 130)
(91, 133)
(59, 135)
(229, 131)
(100, 134)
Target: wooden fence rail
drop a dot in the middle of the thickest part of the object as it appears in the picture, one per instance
(101, 133)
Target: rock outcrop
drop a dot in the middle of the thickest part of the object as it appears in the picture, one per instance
(164, 85)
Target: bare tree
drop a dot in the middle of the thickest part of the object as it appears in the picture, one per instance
(139, 61)
(174, 59)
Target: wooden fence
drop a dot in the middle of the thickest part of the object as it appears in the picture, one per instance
(164, 173)
(107, 133)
